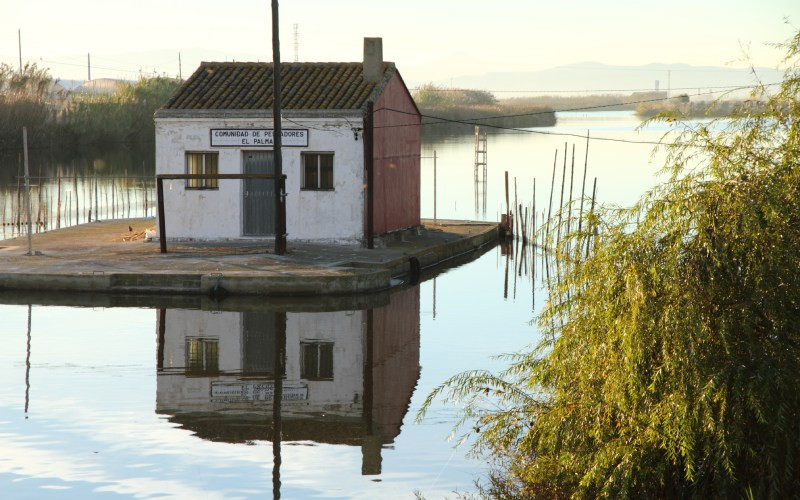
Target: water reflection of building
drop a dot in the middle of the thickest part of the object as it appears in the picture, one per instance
(348, 376)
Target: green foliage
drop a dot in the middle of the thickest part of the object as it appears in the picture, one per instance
(25, 100)
(683, 108)
(670, 358)
(84, 120)
(431, 96)
(613, 102)
(126, 116)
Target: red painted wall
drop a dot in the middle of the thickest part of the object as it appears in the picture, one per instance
(397, 141)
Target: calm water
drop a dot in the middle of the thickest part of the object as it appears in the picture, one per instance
(624, 170)
(103, 401)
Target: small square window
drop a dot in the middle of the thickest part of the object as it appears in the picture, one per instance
(318, 171)
(202, 356)
(202, 164)
(316, 360)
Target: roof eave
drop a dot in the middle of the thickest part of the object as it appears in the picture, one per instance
(256, 113)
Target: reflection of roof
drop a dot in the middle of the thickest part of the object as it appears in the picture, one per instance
(239, 428)
(304, 86)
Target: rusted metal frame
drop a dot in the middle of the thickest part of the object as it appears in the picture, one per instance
(162, 225)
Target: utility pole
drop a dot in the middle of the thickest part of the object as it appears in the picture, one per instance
(280, 184)
(19, 44)
(89, 66)
(180, 73)
(369, 155)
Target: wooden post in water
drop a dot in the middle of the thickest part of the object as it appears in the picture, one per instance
(507, 224)
(144, 187)
(39, 202)
(96, 200)
(435, 220)
(516, 219)
(27, 188)
(135, 195)
(128, 192)
(58, 203)
(569, 203)
(88, 190)
(77, 208)
(561, 200)
(591, 211)
(533, 218)
(583, 185)
(552, 186)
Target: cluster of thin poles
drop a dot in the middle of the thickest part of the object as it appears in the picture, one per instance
(551, 235)
(68, 200)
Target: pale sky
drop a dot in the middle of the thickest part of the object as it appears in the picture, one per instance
(429, 40)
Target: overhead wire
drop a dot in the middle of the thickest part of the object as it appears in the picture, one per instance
(480, 121)
(584, 91)
(598, 106)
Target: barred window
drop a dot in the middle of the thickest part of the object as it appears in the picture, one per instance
(202, 163)
(318, 171)
(316, 360)
(202, 355)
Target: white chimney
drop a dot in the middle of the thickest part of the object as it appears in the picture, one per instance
(373, 59)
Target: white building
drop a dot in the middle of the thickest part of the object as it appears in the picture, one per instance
(220, 122)
(347, 378)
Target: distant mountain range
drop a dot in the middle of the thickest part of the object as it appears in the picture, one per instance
(597, 78)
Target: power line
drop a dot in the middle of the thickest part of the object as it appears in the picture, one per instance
(536, 91)
(136, 72)
(478, 120)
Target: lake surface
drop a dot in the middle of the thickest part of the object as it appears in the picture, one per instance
(179, 401)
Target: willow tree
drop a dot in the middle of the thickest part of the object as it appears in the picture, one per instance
(670, 359)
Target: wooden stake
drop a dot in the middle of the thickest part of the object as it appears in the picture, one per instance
(569, 203)
(561, 201)
(58, 203)
(591, 211)
(96, 200)
(516, 219)
(550, 205)
(39, 202)
(533, 220)
(583, 186)
(77, 199)
(105, 192)
(27, 188)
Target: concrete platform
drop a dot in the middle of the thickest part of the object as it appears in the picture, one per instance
(111, 258)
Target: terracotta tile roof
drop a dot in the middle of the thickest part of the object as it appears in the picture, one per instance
(304, 86)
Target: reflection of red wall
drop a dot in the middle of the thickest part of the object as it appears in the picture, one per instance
(396, 159)
(395, 368)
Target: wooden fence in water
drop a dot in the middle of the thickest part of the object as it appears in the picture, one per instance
(64, 201)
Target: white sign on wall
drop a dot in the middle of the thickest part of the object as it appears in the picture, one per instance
(258, 137)
(256, 391)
